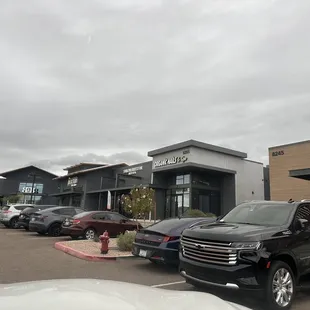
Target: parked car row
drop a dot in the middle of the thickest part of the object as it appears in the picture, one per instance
(259, 246)
(65, 220)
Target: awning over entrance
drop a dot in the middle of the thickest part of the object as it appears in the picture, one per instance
(303, 174)
(191, 167)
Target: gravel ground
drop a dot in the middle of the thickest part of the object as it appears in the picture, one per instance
(93, 248)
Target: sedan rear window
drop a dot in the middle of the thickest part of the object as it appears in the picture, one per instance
(175, 225)
(82, 214)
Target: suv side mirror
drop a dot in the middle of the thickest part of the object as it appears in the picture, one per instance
(303, 224)
(122, 221)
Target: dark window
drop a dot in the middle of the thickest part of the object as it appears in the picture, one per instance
(82, 214)
(206, 180)
(303, 212)
(77, 211)
(21, 208)
(66, 211)
(174, 226)
(266, 214)
(99, 216)
(116, 217)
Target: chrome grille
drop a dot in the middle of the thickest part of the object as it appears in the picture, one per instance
(211, 252)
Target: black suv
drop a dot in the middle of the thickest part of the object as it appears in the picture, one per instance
(259, 245)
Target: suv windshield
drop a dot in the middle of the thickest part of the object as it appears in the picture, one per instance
(266, 214)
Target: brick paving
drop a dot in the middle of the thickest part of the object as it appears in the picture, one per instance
(26, 256)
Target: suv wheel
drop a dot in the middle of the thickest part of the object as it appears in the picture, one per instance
(14, 223)
(90, 234)
(281, 286)
(54, 230)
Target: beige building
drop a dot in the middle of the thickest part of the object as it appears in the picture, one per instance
(290, 171)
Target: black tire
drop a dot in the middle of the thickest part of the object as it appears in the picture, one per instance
(90, 232)
(54, 230)
(278, 267)
(26, 228)
(14, 223)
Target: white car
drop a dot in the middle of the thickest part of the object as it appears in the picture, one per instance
(91, 294)
(9, 214)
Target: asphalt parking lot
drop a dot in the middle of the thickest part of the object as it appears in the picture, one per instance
(26, 256)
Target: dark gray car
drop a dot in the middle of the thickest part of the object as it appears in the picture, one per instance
(49, 221)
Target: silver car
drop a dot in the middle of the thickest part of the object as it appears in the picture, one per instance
(9, 214)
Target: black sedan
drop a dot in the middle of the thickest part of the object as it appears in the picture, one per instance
(160, 242)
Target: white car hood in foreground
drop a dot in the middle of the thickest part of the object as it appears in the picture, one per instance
(91, 294)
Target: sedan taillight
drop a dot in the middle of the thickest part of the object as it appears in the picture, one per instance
(168, 238)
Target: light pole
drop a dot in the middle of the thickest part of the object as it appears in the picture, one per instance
(34, 176)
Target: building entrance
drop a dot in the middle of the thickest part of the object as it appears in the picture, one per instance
(177, 202)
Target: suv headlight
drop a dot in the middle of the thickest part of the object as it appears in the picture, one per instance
(247, 245)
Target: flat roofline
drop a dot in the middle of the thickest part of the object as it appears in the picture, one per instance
(254, 161)
(84, 164)
(197, 144)
(76, 173)
(289, 144)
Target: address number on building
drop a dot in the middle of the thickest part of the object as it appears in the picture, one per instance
(277, 153)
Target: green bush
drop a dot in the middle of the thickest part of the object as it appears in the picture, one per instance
(197, 213)
(125, 241)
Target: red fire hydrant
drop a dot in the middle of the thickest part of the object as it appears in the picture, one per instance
(105, 239)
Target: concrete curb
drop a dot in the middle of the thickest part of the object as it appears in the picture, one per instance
(92, 258)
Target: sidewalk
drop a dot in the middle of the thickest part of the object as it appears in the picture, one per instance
(90, 250)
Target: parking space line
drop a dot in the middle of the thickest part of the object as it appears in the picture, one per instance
(168, 284)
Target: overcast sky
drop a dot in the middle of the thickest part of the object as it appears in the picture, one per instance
(101, 80)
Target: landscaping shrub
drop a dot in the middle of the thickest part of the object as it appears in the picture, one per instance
(197, 213)
(125, 241)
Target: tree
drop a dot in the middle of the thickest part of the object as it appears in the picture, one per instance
(11, 199)
(140, 202)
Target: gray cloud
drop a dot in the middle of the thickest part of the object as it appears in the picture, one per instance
(113, 77)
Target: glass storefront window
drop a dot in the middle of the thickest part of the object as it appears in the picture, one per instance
(27, 199)
(186, 179)
(26, 188)
(182, 179)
